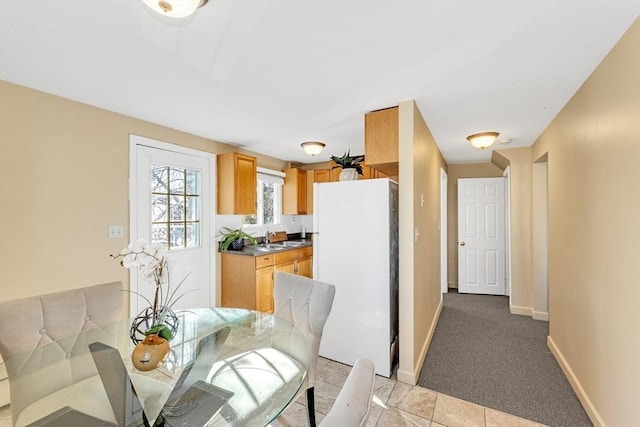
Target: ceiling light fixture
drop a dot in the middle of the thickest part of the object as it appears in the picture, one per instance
(312, 148)
(483, 140)
(175, 8)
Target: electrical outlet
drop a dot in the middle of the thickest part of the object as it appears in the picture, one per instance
(115, 231)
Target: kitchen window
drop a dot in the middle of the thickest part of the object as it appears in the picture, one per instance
(269, 200)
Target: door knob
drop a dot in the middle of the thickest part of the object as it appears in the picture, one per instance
(462, 243)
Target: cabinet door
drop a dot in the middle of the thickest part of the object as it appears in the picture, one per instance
(294, 192)
(246, 176)
(286, 267)
(322, 175)
(334, 174)
(302, 192)
(305, 267)
(237, 174)
(367, 172)
(381, 140)
(264, 289)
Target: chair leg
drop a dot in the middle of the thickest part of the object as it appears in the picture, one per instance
(311, 407)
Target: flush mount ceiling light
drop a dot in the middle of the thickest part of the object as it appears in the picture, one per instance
(175, 8)
(312, 148)
(483, 140)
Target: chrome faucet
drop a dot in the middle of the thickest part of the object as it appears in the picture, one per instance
(266, 236)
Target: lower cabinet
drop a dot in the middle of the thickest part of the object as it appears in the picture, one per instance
(247, 281)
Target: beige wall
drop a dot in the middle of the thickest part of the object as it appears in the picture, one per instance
(520, 236)
(470, 170)
(64, 178)
(420, 297)
(593, 148)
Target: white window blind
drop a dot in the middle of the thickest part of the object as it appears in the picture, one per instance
(271, 176)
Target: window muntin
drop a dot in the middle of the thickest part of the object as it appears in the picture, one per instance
(175, 207)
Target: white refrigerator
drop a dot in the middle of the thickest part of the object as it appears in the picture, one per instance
(355, 248)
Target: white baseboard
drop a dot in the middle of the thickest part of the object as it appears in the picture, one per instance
(407, 377)
(541, 315)
(593, 414)
(521, 311)
(412, 377)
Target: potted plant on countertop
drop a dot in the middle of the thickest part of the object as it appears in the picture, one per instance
(234, 239)
(350, 166)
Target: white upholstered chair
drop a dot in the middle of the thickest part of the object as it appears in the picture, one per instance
(42, 378)
(306, 303)
(352, 406)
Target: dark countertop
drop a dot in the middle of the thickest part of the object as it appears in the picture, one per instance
(270, 248)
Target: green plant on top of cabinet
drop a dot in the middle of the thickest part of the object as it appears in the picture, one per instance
(237, 180)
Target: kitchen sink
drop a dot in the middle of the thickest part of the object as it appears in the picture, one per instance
(287, 243)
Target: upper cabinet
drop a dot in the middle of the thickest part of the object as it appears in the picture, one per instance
(322, 175)
(236, 184)
(294, 192)
(381, 140)
(317, 175)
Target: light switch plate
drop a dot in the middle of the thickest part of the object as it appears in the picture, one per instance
(115, 231)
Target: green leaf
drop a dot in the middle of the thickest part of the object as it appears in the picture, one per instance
(166, 334)
(160, 330)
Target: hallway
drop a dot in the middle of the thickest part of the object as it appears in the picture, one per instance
(483, 354)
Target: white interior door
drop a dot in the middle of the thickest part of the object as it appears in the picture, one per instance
(171, 204)
(481, 236)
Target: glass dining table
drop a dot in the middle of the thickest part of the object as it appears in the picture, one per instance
(226, 367)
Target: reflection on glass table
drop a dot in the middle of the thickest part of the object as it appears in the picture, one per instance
(226, 367)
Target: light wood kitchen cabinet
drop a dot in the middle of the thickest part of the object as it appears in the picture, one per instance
(334, 173)
(264, 289)
(294, 192)
(237, 179)
(322, 175)
(290, 261)
(367, 172)
(381, 140)
(374, 174)
(247, 281)
(317, 175)
(305, 267)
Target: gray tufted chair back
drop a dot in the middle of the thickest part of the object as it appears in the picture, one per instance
(306, 303)
(353, 404)
(27, 324)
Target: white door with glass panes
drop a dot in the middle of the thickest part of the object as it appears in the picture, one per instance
(171, 205)
(481, 236)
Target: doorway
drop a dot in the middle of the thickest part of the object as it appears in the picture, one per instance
(540, 237)
(171, 204)
(444, 276)
(481, 236)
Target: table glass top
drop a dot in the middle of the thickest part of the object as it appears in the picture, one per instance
(225, 367)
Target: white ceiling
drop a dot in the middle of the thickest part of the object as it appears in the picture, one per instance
(268, 75)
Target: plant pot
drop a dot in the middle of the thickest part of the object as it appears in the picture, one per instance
(349, 174)
(150, 353)
(237, 245)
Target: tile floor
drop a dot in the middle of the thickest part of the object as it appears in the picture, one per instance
(395, 405)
